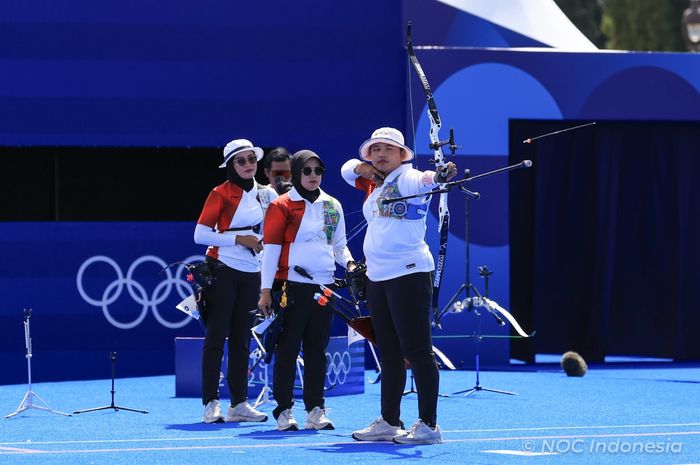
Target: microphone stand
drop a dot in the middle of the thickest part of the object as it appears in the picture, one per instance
(113, 358)
(28, 401)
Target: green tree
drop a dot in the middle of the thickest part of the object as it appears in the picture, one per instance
(648, 25)
(652, 25)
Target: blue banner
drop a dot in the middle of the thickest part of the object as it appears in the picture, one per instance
(94, 288)
(345, 371)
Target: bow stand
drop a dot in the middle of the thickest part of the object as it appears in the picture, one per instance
(30, 399)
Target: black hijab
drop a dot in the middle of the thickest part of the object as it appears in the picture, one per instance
(299, 159)
(235, 178)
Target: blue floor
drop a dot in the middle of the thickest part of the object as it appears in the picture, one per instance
(612, 415)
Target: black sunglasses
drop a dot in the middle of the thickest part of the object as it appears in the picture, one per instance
(250, 159)
(318, 171)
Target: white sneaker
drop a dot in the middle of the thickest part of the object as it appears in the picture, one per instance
(378, 430)
(286, 422)
(212, 412)
(244, 412)
(420, 433)
(317, 419)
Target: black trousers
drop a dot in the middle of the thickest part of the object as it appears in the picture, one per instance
(400, 310)
(307, 326)
(229, 303)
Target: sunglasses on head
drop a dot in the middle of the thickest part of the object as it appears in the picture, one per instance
(318, 171)
(282, 173)
(242, 161)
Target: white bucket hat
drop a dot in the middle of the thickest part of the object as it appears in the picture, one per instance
(237, 146)
(388, 136)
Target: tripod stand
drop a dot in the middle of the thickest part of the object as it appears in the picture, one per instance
(475, 303)
(28, 401)
(412, 390)
(113, 358)
(472, 304)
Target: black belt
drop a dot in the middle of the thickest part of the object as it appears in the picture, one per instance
(255, 228)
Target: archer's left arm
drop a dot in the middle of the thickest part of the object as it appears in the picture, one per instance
(419, 182)
(340, 244)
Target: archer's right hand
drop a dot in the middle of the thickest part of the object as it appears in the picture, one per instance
(265, 302)
(367, 171)
(251, 242)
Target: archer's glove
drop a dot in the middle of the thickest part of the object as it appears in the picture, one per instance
(448, 172)
(357, 281)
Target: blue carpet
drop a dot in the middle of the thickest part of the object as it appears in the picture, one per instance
(618, 416)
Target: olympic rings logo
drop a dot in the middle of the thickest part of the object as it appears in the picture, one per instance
(136, 290)
(337, 367)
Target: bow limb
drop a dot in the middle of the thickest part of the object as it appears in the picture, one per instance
(443, 358)
(439, 159)
(508, 316)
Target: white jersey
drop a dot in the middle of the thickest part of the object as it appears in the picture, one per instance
(230, 211)
(305, 234)
(395, 239)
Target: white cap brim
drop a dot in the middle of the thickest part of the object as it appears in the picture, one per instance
(257, 150)
(364, 148)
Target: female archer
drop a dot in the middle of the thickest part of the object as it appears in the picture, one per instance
(399, 287)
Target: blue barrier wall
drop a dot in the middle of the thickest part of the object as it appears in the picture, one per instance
(302, 74)
(143, 75)
(94, 288)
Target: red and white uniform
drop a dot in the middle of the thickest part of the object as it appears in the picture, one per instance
(310, 235)
(395, 239)
(230, 206)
